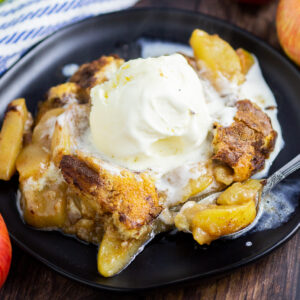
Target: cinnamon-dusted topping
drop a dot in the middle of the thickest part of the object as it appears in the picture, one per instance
(250, 114)
(132, 201)
(97, 71)
(61, 95)
(11, 107)
(247, 142)
(79, 174)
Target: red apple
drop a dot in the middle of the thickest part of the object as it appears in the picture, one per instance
(288, 28)
(5, 252)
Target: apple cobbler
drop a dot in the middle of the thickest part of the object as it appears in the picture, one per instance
(126, 150)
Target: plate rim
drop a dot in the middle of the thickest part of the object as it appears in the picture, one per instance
(231, 267)
(31, 52)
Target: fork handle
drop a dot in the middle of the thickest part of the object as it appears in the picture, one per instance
(281, 174)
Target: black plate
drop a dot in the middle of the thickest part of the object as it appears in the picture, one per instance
(169, 258)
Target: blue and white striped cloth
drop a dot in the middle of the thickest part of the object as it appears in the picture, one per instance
(25, 22)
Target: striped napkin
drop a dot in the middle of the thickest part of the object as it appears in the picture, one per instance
(25, 22)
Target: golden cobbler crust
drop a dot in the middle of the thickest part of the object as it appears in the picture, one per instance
(61, 95)
(247, 142)
(78, 89)
(131, 198)
(96, 72)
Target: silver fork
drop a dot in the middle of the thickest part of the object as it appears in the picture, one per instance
(271, 182)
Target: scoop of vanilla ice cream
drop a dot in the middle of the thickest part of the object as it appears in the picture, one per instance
(150, 115)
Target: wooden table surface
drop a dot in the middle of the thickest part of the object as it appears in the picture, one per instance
(273, 277)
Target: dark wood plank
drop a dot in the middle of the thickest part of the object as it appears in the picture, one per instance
(183, 4)
(257, 19)
(274, 277)
(260, 20)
